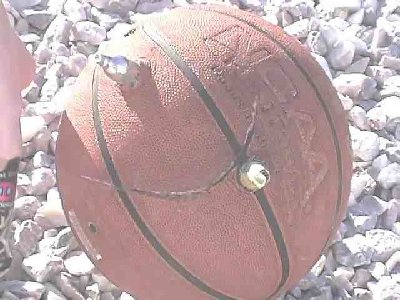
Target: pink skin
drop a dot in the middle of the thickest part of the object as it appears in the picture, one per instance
(17, 68)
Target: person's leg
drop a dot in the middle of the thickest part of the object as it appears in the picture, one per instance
(17, 69)
(8, 179)
(16, 72)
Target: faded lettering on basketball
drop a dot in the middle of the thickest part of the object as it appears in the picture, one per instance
(317, 163)
(275, 77)
(316, 166)
(273, 90)
(235, 47)
(279, 147)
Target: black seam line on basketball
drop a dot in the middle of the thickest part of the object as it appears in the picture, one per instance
(325, 108)
(196, 83)
(278, 237)
(159, 39)
(134, 214)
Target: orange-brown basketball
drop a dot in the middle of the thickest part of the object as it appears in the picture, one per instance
(149, 173)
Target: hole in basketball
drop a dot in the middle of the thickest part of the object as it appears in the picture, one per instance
(92, 227)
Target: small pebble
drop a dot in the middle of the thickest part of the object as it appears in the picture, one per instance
(356, 86)
(359, 118)
(353, 251)
(25, 207)
(76, 11)
(23, 289)
(42, 267)
(26, 236)
(377, 270)
(361, 277)
(389, 176)
(52, 293)
(341, 56)
(77, 263)
(365, 144)
(87, 31)
(383, 243)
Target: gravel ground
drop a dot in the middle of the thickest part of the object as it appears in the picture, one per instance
(357, 42)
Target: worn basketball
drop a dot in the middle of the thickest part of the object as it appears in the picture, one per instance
(218, 169)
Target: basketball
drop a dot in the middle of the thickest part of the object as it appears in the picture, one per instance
(204, 156)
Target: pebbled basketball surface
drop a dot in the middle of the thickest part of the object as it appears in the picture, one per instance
(183, 126)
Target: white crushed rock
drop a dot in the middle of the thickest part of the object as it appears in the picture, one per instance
(365, 144)
(357, 44)
(77, 263)
(42, 267)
